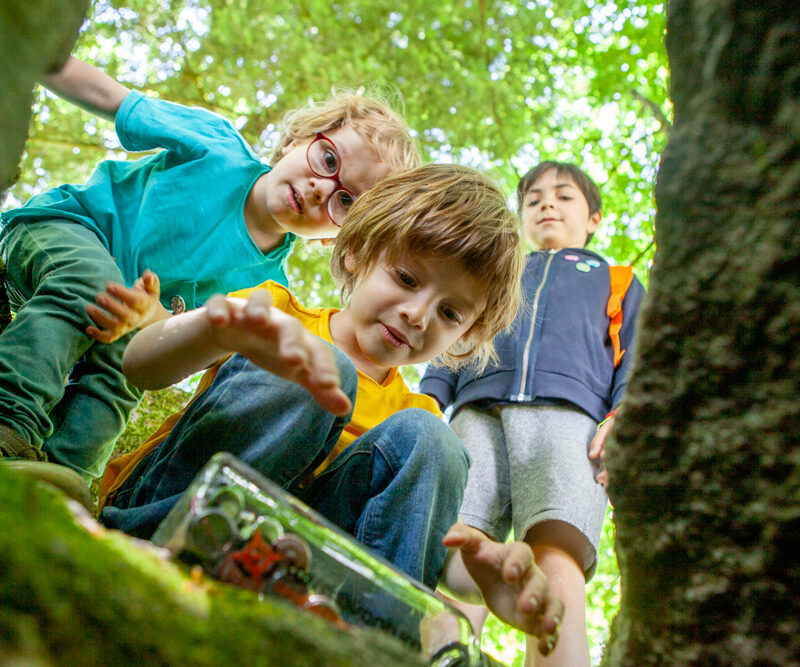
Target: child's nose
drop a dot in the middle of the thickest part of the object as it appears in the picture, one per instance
(323, 188)
(415, 313)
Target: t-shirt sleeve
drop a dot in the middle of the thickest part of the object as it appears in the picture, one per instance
(144, 123)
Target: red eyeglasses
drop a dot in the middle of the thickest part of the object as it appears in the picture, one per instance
(324, 161)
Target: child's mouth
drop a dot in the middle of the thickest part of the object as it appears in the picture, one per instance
(393, 337)
(295, 201)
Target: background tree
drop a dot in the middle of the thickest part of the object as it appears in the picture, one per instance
(706, 475)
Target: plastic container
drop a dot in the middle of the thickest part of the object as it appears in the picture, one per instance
(245, 530)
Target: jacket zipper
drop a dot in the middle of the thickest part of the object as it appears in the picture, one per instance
(521, 396)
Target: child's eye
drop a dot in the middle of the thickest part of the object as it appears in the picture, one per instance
(405, 278)
(451, 314)
(533, 202)
(331, 161)
(346, 199)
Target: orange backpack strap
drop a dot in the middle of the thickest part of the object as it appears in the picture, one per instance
(621, 278)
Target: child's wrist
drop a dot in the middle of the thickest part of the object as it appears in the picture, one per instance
(608, 417)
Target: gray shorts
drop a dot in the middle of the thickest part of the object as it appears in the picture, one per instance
(530, 464)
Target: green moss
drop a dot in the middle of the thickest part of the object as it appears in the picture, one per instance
(71, 596)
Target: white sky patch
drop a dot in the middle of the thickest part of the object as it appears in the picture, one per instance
(195, 19)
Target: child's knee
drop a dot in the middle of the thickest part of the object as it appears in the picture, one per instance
(561, 542)
(348, 376)
(436, 447)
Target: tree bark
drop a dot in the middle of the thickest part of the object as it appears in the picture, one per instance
(37, 37)
(705, 466)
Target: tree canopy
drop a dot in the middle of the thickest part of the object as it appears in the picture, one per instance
(498, 85)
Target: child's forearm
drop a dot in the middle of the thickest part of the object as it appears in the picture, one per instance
(170, 350)
(87, 87)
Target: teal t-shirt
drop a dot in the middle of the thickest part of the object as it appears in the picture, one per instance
(178, 212)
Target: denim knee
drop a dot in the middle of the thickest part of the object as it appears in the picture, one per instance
(426, 442)
(348, 376)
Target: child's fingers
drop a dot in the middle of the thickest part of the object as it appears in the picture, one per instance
(323, 364)
(293, 346)
(519, 567)
(533, 596)
(596, 446)
(101, 318)
(547, 643)
(129, 296)
(119, 310)
(137, 299)
(548, 624)
(219, 310)
(151, 283)
(599, 440)
(464, 537)
(257, 310)
(319, 374)
(100, 335)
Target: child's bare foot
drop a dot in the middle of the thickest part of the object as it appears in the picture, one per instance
(512, 585)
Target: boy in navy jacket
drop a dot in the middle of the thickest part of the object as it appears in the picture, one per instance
(530, 421)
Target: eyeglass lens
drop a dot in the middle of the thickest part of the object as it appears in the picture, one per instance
(323, 158)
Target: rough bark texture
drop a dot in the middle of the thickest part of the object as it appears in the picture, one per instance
(706, 465)
(37, 37)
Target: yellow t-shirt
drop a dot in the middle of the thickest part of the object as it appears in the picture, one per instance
(374, 402)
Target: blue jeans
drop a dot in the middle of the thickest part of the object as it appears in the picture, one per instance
(397, 488)
(54, 268)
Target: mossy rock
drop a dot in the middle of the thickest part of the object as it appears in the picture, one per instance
(73, 593)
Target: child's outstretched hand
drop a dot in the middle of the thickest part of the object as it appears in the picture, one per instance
(278, 343)
(597, 448)
(513, 587)
(121, 309)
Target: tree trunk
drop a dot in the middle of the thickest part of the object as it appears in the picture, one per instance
(705, 466)
(37, 38)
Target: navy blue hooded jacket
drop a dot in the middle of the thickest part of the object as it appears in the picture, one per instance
(558, 349)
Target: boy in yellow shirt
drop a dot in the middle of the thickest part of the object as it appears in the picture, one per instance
(429, 262)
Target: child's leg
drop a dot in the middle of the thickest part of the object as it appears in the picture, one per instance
(487, 498)
(397, 489)
(94, 411)
(556, 547)
(559, 508)
(271, 424)
(53, 269)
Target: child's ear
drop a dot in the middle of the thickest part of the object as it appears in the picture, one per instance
(594, 221)
(350, 261)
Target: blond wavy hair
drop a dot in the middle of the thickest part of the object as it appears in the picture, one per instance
(370, 114)
(444, 211)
